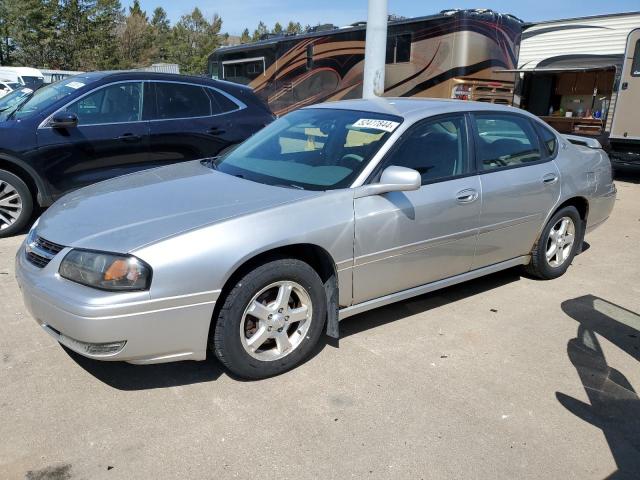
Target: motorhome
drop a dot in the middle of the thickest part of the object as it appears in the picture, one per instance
(29, 77)
(454, 54)
(582, 76)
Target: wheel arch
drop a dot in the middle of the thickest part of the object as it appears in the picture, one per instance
(316, 256)
(28, 175)
(580, 203)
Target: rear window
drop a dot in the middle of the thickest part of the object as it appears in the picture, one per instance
(178, 100)
(222, 104)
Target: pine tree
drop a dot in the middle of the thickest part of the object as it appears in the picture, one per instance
(246, 36)
(294, 27)
(259, 32)
(135, 38)
(161, 29)
(193, 38)
(277, 29)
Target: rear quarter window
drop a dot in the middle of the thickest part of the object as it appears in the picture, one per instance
(549, 140)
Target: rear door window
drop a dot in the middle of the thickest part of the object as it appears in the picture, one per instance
(179, 100)
(505, 141)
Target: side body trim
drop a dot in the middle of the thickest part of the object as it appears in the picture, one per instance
(430, 287)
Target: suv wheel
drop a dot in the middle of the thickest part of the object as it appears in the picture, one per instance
(16, 204)
(271, 320)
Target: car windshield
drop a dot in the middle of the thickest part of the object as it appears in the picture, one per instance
(45, 96)
(11, 100)
(311, 149)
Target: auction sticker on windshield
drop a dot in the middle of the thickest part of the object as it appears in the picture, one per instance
(28, 91)
(376, 124)
(75, 85)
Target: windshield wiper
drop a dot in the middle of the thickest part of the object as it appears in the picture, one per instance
(288, 185)
(210, 162)
(19, 105)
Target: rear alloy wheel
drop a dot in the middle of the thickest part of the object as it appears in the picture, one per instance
(16, 204)
(271, 320)
(558, 244)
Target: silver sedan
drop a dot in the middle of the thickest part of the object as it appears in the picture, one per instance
(329, 211)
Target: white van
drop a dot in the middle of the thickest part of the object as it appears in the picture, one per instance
(29, 77)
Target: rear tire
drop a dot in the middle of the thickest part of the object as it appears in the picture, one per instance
(271, 320)
(558, 244)
(16, 204)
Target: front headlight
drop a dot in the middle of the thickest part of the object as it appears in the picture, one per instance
(106, 271)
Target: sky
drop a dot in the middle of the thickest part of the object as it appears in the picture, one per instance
(238, 14)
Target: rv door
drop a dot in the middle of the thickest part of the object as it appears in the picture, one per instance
(625, 117)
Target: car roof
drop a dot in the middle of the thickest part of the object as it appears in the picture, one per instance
(414, 108)
(115, 75)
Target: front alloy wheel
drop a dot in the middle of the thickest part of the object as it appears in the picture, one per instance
(276, 321)
(272, 318)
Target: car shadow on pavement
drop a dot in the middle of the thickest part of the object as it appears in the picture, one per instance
(614, 406)
(397, 311)
(125, 376)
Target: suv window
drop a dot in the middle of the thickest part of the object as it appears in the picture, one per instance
(117, 103)
(221, 103)
(505, 141)
(437, 149)
(179, 100)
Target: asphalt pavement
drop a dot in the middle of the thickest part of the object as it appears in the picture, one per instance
(500, 378)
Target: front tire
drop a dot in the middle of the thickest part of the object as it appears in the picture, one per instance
(271, 320)
(16, 204)
(557, 245)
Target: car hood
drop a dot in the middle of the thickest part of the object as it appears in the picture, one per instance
(128, 212)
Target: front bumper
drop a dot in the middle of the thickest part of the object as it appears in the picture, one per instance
(154, 330)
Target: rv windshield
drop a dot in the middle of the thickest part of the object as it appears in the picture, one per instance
(311, 149)
(32, 82)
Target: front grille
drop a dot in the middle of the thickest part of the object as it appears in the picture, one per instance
(40, 252)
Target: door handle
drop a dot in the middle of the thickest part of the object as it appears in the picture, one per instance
(550, 179)
(129, 137)
(216, 131)
(468, 195)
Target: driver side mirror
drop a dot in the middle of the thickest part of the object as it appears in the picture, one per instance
(64, 120)
(393, 179)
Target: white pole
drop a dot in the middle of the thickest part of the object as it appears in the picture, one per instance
(375, 49)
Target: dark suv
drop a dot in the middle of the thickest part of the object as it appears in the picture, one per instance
(99, 125)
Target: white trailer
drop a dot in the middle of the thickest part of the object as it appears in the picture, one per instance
(582, 76)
